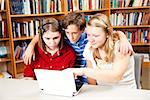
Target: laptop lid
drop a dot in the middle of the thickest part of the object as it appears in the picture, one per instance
(57, 82)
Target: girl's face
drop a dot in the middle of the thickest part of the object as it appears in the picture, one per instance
(52, 39)
(73, 33)
(96, 36)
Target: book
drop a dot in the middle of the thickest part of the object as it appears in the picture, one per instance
(17, 6)
(17, 52)
(23, 50)
(3, 52)
(2, 4)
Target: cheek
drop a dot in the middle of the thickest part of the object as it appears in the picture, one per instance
(45, 40)
(76, 36)
(100, 40)
(57, 41)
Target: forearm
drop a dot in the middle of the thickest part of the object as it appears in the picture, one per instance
(101, 75)
(114, 74)
(34, 40)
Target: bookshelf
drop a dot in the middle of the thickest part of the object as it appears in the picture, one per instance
(5, 44)
(15, 66)
(137, 29)
(16, 37)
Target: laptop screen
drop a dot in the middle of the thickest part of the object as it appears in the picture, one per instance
(58, 82)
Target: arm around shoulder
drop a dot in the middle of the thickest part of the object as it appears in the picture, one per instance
(29, 52)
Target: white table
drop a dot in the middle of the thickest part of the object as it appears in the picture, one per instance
(16, 89)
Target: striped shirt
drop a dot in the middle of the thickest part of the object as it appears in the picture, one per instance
(79, 48)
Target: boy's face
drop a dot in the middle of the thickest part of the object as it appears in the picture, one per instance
(73, 33)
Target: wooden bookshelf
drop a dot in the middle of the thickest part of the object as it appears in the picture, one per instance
(139, 46)
(3, 60)
(17, 65)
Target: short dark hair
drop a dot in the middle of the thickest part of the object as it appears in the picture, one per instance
(75, 18)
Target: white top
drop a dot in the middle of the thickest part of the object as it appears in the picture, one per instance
(128, 80)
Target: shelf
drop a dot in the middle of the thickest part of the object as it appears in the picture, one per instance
(4, 39)
(140, 44)
(134, 26)
(19, 61)
(22, 38)
(2, 60)
(146, 64)
(2, 11)
(37, 15)
(89, 11)
(131, 8)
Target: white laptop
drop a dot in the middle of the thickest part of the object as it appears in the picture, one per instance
(57, 82)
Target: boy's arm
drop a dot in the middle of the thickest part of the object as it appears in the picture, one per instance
(29, 52)
(124, 46)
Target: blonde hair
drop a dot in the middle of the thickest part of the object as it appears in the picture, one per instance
(102, 21)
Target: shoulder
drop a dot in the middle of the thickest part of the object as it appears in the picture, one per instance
(67, 48)
(83, 37)
(87, 51)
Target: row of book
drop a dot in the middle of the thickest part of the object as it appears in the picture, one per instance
(74, 5)
(35, 6)
(128, 3)
(19, 50)
(138, 36)
(3, 28)
(26, 28)
(128, 19)
(2, 4)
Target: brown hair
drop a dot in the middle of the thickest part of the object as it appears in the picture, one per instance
(75, 18)
(101, 20)
(53, 25)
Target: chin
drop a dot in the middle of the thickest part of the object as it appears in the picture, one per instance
(73, 42)
(95, 46)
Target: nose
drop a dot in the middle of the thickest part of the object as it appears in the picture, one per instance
(70, 36)
(52, 42)
(90, 39)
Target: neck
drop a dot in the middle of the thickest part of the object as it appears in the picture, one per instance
(51, 51)
(102, 53)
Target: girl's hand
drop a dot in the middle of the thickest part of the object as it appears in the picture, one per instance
(76, 71)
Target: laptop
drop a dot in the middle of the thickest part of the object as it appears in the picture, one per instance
(58, 82)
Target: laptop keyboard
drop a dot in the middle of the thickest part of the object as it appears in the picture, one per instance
(78, 84)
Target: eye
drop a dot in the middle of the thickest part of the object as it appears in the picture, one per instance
(96, 35)
(47, 38)
(75, 33)
(55, 38)
(67, 32)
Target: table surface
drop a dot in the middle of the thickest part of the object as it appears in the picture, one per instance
(17, 89)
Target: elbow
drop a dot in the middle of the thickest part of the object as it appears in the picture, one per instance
(116, 78)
